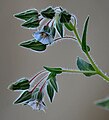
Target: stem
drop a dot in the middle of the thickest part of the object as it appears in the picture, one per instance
(96, 68)
(42, 87)
(77, 35)
(48, 23)
(98, 71)
(38, 83)
(68, 37)
(36, 75)
(78, 71)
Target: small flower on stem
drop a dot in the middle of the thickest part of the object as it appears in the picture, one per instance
(37, 105)
(43, 37)
(37, 101)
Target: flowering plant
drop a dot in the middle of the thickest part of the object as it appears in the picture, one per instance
(49, 25)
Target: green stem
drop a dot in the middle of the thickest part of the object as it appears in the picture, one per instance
(77, 35)
(78, 71)
(69, 37)
(98, 71)
(96, 68)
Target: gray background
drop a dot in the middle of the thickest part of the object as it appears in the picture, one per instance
(77, 93)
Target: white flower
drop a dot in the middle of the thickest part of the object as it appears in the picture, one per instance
(37, 105)
(43, 37)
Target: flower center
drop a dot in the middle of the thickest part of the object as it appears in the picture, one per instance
(44, 35)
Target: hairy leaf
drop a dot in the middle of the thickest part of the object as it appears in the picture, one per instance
(26, 15)
(59, 27)
(33, 45)
(54, 70)
(48, 13)
(23, 97)
(31, 23)
(104, 103)
(21, 84)
(40, 96)
(46, 29)
(65, 17)
(69, 26)
(84, 44)
(53, 31)
(50, 92)
(52, 80)
(35, 93)
(83, 65)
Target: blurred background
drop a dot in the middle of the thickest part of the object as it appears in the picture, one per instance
(77, 93)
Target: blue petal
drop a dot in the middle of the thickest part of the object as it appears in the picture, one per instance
(44, 41)
(50, 40)
(47, 40)
(37, 36)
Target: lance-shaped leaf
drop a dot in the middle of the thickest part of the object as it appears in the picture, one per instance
(33, 45)
(23, 97)
(31, 23)
(69, 26)
(46, 29)
(52, 31)
(85, 48)
(65, 17)
(52, 80)
(50, 92)
(40, 96)
(59, 27)
(48, 13)
(54, 70)
(26, 15)
(85, 66)
(104, 103)
(35, 93)
(21, 84)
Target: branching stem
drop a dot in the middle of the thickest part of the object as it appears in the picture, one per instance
(68, 37)
(98, 71)
(78, 71)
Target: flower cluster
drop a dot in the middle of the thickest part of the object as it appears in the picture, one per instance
(51, 24)
(46, 85)
(54, 19)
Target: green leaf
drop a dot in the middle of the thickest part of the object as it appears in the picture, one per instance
(23, 97)
(26, 15)
(59, 27)
(35, 93)
(40, 96)
(50, 92)
(104, 103)
(33, 45)
(52, 74)
(83, 65)
(52, 80)
(53, 31)
(46, 29)
(88, 48)
(69, 26)
(48, 13)
(21, 84)
(54, 83)
(65, 17)
(54, 70)
(31, 23)
(84, 45)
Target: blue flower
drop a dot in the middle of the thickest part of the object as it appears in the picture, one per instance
(43, 37)
(36, 105)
